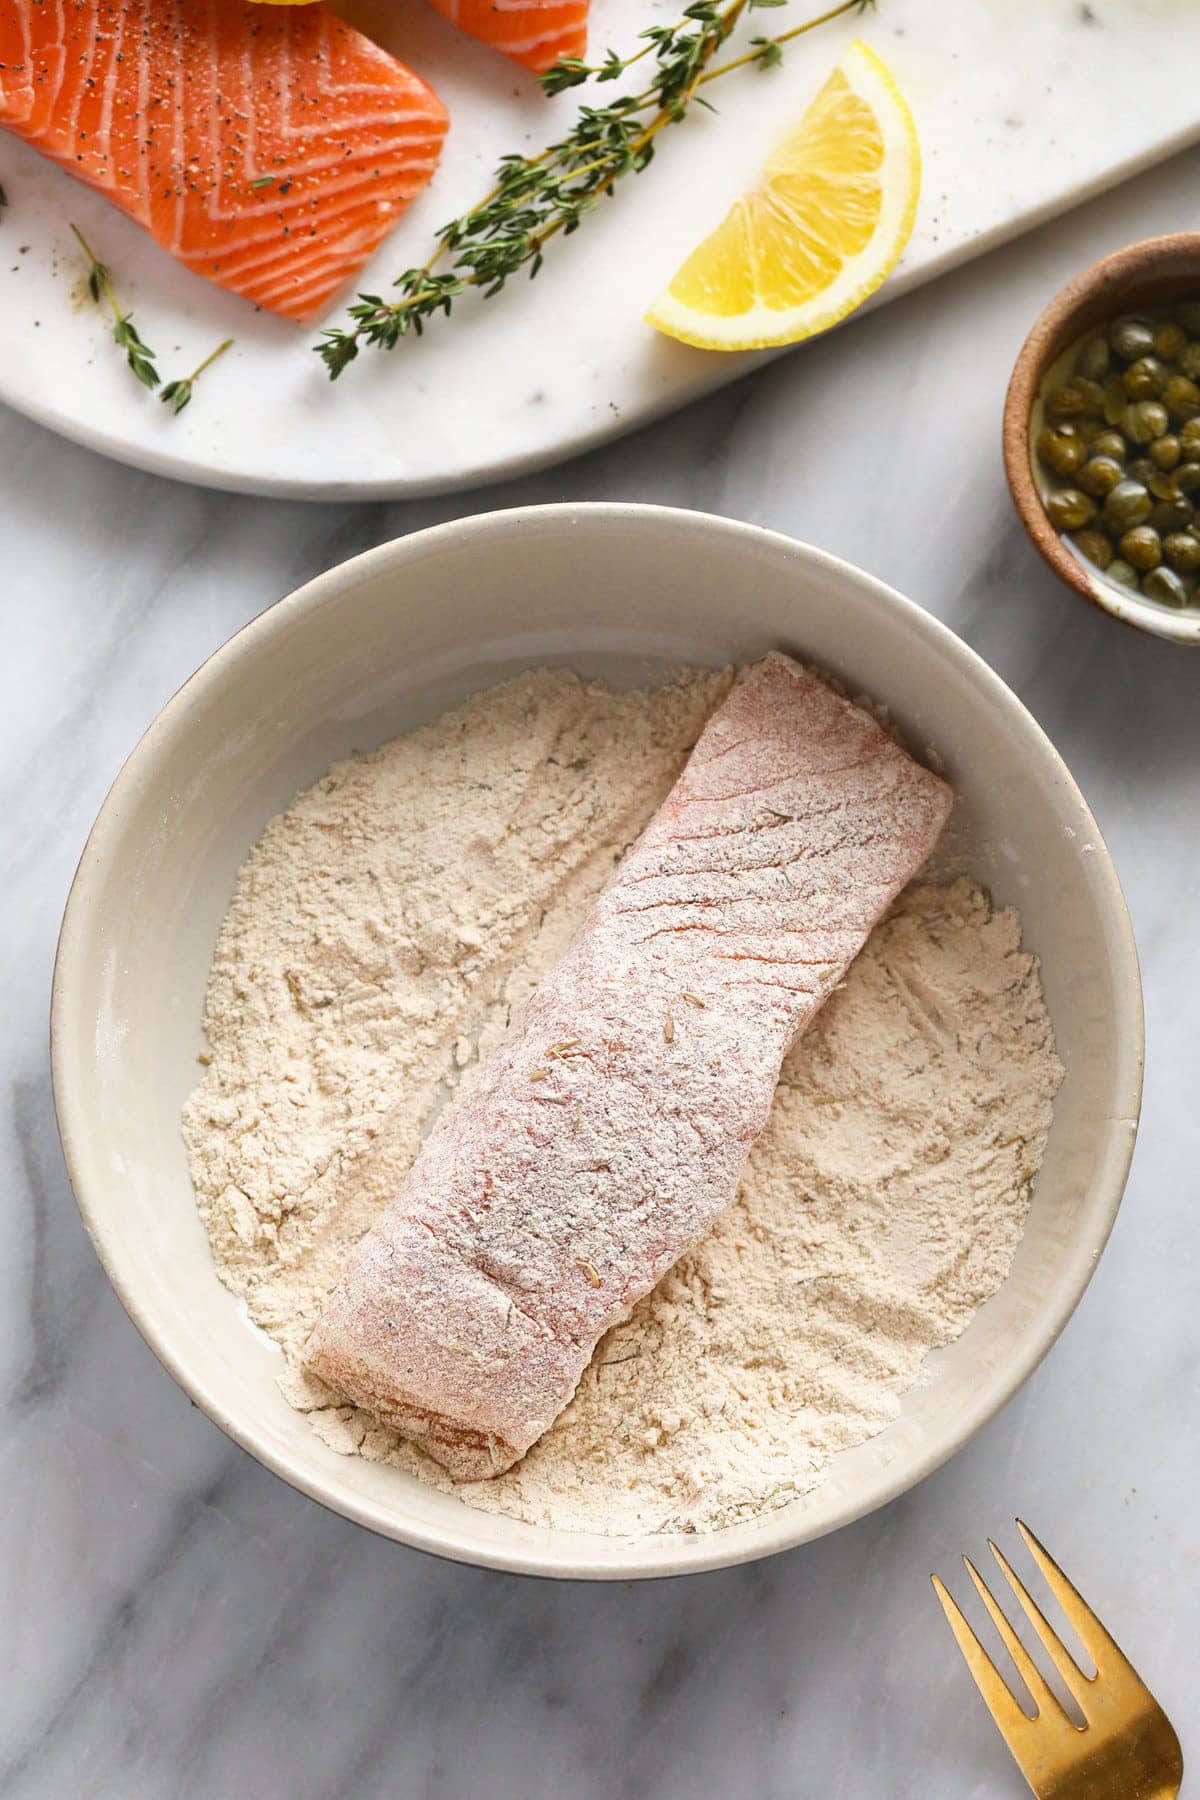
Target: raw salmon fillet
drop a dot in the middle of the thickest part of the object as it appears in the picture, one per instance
(609, 1130)
(270, 149)
(536, 33)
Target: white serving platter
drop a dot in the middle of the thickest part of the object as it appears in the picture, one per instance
(1024, 107)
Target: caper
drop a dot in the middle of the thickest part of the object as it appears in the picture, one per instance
(1094, 358)
(1105, 443)
(1122, 573)
(1131, 338)
(1169, 339)
(1144, 379)
(1074, 399)
(1090, 429)
(1165, 452)
(1187, 477)
(1161, 483)
(1181, 398)
(1095, 548)
(1128, 504)
(1188, 314)
(1114, 400)
(1061, 449)
(1100, 475)
(1172, 515)
(1144, 420)
(1165, 586)
(1189, 440)
(1141, 469)
(1141, 547)
(1182, 551)
(1068, 509)
(1189, 361)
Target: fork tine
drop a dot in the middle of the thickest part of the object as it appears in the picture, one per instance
(1079, 1684)
(991, 1684)
(1045, 1700)
(1100, 1647)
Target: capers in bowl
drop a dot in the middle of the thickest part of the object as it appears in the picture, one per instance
(1181, 398)
(1165, 452)
(1095, 548)
(1094, 359)
(1144, 420)
(1069, 509)
(1061, 449)
(1122, 573)
(1166, 586)
(1169, 340)
(1127, 504)
(1144, 379)
(1131, 338)
(1141, 548)
(1099, 475)
(1172, 515)
(1075, 399)
(1116, 449)
(1181, 550)
(1108, 443)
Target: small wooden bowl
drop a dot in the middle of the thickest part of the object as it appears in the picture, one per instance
(1145, 274)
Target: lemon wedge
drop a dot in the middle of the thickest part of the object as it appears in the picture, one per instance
(822, 230)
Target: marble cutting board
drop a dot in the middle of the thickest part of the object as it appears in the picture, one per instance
(1023, 107)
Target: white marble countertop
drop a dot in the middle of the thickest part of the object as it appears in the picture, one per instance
(181, 1624)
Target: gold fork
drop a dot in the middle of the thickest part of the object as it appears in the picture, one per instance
(1125, 1750)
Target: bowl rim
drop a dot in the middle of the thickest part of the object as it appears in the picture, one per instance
(1121, 272)
(685, 1555)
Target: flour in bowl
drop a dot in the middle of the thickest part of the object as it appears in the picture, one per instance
(379, 937)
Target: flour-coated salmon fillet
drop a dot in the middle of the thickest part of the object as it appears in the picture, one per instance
(270, 149)
(536, 33)
(609, 1130)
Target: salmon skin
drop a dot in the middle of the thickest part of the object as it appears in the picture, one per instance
(609, 1131)
(270, 149)
(535, 33)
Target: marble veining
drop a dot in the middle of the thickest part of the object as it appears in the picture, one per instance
(180, 1625)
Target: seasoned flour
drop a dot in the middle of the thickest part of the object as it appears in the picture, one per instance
(379, 937)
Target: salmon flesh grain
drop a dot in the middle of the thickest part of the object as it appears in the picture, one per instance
(270, 149)
(535, 33)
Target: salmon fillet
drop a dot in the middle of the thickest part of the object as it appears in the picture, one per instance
(610, 1129)
(270, 149)
(535, 33)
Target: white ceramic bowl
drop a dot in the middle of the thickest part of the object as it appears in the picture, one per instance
(388, 640)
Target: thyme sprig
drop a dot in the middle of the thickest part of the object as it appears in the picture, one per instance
(536, 198)
(138, 354)
(177, 394)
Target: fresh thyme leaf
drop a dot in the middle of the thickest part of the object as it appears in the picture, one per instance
(572, 71)
(178, 393)
(138, 354)
(269, 180)
(139, 357)
(536, 198)
(770, 54)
